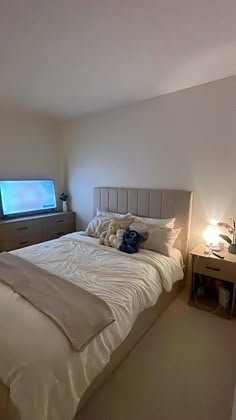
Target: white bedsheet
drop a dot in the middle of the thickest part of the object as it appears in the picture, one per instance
(45, 376)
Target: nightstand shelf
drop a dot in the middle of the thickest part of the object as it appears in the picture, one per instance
(208, 274)
(210, 304)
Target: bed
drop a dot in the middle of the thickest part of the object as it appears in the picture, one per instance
(141, 202)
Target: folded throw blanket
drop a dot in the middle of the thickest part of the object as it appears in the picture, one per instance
(80, 314)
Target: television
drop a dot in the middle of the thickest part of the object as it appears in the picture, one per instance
(22, 197)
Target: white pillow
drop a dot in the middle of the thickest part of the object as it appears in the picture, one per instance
(100, 223)
(153, 221)
(101, 213)
(144, 223)
(148, 220)
(161, 239)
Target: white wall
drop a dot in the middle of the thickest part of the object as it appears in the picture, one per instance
(184, 140)
(29, 147)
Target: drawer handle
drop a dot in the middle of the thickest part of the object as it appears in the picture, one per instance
(23, 228)
(24, 242)
(212, 268)
(60, 221)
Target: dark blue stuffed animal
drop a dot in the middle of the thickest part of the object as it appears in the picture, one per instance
(132, 241)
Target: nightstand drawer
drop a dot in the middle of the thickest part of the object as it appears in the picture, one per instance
(216, 268)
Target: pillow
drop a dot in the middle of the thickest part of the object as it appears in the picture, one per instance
(101, 213)
(100, 223)
(161, 239)
(151, 221)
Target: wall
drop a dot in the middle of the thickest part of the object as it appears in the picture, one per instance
(184, 140)
(29, 147)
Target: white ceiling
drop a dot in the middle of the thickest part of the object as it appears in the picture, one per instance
(68, 57)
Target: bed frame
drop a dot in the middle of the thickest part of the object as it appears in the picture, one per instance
(159, 203)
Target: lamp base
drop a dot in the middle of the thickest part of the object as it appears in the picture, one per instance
(213, 247)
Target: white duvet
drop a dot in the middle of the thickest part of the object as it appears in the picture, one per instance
(45, 376)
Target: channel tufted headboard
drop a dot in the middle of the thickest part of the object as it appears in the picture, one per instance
(159, 203)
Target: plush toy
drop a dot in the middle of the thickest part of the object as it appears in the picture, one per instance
(132, 241)
(109, 236)
(116, 240)
(105, 236)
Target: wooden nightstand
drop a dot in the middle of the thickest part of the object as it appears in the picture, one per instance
(208, 274)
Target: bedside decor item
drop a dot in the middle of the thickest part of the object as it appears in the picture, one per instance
(231, 229)
(64, 198)
(232, 248)
(211, 236)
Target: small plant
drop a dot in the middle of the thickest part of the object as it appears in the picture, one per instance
(231, 229)
(63, 196)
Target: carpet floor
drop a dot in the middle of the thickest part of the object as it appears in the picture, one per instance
(184, 368)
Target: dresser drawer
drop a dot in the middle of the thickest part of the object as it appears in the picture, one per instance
(58, 225)
(212, 267)
(10, 245)
(57, 231)
(59, 220)
(21, 230)
(19, 233)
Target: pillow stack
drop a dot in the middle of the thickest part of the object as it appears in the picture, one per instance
(102, 220)
(161, 232)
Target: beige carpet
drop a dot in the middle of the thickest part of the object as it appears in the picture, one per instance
(183, 369)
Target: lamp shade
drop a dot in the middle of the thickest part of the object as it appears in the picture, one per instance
(211, 235)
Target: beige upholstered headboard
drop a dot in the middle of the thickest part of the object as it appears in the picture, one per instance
(150, 203)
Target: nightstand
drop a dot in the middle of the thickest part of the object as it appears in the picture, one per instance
(209, 274)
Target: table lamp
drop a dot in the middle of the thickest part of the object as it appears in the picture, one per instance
(211, 236)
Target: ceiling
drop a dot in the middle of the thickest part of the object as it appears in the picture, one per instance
(68, 57)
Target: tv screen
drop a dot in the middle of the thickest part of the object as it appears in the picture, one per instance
(26, 196)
